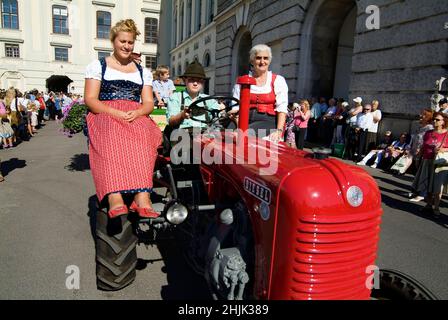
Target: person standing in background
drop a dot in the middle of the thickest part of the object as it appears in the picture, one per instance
(372, 133)
(163, 86)
(301, 118)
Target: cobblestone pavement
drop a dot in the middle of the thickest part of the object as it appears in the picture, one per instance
(46, 204)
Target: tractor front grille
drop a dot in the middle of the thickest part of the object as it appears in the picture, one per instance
(332, 254)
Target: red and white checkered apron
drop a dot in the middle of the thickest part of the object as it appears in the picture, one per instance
(122, 154)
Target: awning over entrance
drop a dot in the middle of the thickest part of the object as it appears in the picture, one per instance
(58, 83)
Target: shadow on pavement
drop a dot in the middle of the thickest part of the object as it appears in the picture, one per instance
(412, 208)
(79, 162)
(183, 282)
(402, 185)
(92, 205)
(11, 165)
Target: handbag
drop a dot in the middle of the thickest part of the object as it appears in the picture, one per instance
(441, 158)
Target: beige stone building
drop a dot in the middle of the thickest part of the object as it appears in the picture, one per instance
(188, 32)
(42, 38)
(389, 50)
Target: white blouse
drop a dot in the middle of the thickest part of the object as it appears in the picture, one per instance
(94, 70)
(280, 89)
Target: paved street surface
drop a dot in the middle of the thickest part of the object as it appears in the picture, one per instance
(46, 204)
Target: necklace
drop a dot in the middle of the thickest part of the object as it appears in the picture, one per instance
(121, 64)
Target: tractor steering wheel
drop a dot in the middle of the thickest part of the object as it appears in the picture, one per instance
(197, 110)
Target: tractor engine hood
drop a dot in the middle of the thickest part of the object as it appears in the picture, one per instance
(316, 222)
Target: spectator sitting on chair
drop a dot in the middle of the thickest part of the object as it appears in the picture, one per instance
(378, 151)
(393, 152)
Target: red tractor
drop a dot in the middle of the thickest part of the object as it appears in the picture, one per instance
(309, 230)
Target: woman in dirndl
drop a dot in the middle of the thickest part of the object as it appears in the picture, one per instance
(123, 140)
(268, 98)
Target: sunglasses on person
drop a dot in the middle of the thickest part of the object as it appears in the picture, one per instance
(438, 119)
(368, 109)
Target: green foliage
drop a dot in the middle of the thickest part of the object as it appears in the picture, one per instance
(75, 119)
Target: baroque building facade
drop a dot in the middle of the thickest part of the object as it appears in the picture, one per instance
(394, 52)
(39, 39)
(188, 32)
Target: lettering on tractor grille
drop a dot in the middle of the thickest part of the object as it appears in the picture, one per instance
(258, 190)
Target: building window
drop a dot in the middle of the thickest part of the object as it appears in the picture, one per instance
(188, 30)
(198, 15)
(12, 50)
(210, 11)
(181, 22)
(151, 62)
(61, 54)
(103, 24)
(179, 70)
(175, 28)
(151, 26)
(103, 54)
(10, 14)
(60, 20)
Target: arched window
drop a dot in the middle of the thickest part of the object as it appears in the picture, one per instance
(103, 24)
(60, 20)
(151, 27)
(10, 14)
(206, 62)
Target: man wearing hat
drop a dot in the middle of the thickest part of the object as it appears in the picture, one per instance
(177, 112)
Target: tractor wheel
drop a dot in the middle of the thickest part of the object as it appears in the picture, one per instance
(116, 253)
(395, 285)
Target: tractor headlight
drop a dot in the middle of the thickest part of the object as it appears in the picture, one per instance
(176, 214)
(355, 196)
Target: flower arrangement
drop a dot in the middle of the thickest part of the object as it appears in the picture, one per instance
(73, 120)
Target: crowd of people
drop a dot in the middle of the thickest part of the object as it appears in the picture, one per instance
(22, 114)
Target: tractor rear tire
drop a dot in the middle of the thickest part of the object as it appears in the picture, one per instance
(116, 252)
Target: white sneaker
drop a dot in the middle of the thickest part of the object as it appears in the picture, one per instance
(373, 166)
(361, 163)
(416, 199)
